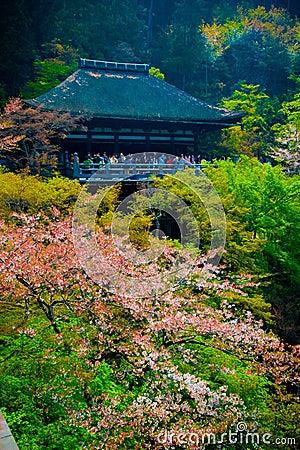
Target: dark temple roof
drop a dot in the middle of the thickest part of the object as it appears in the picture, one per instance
(105, 89)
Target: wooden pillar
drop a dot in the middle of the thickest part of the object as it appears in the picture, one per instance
(196, 144)
(89, 142)
(66, 162)
(172, 143)
(116, 144)
(148, 143)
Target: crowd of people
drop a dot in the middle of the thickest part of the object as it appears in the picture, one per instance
(98, 160)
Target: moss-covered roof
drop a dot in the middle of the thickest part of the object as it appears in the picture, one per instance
(119, 90)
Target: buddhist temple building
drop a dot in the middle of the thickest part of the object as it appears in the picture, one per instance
(128, 110)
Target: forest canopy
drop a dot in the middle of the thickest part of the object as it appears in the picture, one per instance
(206, 48)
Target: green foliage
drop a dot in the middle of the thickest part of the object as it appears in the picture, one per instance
(29, 194)
(285, 147)
(62, 193)
(2, 97)
(250, 47)
(101, 203)
(139, 229)
(263, 217)
(31, 387)
(291, 109)
(220, 369)
(270, 199)
(48, 75)
(262, 224)
(156, 73)
(61, 61)
(192, 190)
(182, 47)
(253, 101)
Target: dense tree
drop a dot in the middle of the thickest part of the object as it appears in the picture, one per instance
(259, 44)
(180, 54)
(31, 194)
(285, 146)
(271, 216)
(251, 138)
(58, 64)
(16, 46)
(180, 49)
(121, 369)
(30, 137)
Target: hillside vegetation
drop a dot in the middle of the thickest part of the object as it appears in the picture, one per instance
(178, 345)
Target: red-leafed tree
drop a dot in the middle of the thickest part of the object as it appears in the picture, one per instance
(31, 137)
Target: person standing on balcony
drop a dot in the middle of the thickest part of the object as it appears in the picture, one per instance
(76, 167)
